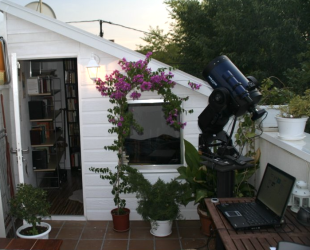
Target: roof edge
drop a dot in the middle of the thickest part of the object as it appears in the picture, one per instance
(93, 41)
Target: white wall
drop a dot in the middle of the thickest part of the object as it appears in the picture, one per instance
(292, 157)
(94, 130)
(30, 41)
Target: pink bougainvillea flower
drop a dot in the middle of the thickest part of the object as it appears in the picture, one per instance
(194, 86)
(146, 86)
(135, 95)
(134, 77)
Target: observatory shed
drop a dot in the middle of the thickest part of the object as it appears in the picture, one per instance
(57, 53)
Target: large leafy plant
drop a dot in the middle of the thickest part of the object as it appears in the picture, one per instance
(161, 200)
(202, 181)
(30, 204)
(134, 79)
(273, 94)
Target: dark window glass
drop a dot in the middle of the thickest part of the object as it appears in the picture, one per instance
(159, 143)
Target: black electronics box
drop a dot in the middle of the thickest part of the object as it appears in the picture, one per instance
(39, 159)
(35, 137)
(37, 110)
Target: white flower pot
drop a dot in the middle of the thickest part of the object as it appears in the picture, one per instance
(269, 124)
(161, 228)
(291, 128)
(39, 236)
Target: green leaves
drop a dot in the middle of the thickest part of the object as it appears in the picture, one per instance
(274, 94)
(161, 200)
(192, 156)
(120, 86)
(202, 182)
(263, 38)
(29, 204)
(201, 194)
(297, 107)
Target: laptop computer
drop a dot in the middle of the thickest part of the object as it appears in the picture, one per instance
(269, 206)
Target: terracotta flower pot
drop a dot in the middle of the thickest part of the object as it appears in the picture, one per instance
(206, 222)
(120, 222)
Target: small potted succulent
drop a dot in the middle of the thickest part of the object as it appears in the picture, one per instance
(30, 204)
(160, 202)
(293, 117)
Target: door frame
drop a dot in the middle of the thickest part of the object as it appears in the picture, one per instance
(17, 123)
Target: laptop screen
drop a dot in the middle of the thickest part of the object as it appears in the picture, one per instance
(275, 189)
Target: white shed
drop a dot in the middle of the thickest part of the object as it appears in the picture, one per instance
(32, 36)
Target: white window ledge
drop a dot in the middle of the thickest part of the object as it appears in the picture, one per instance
(300, 148)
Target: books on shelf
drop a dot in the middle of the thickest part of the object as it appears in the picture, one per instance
(70, 77)
(37, 135)
(71, 89)
(74, 129)
(70, 64)
(40, 132)
(74, 140)
(72, 116)
(75, 159)
(72, 104)
(47, 126)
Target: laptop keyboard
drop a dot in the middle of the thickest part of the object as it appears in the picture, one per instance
(250, 215)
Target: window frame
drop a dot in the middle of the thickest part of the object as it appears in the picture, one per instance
(166, 167)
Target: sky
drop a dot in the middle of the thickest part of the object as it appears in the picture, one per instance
(137, 14)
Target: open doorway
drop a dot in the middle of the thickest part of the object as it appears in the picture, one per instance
(50, 91)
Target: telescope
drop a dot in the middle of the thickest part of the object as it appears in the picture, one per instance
(233, 96)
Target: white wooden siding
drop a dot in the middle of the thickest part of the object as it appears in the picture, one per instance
(31, 41)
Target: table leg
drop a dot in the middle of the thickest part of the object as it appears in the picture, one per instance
(219, 243)
(225, 184)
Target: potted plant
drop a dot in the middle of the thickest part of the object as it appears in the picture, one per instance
(245, 140)
(272, 98)
(203, 181)
(160, 202)
(202, 184)
(293, 117)
(30, 204)
(118, 87)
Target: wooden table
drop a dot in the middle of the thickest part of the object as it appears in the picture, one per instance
(31, 244)
(263, 239)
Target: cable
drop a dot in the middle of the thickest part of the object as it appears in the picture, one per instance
(281, 228)
(108, 22)
(260, 124)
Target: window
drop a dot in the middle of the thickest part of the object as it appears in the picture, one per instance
(159, 143)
